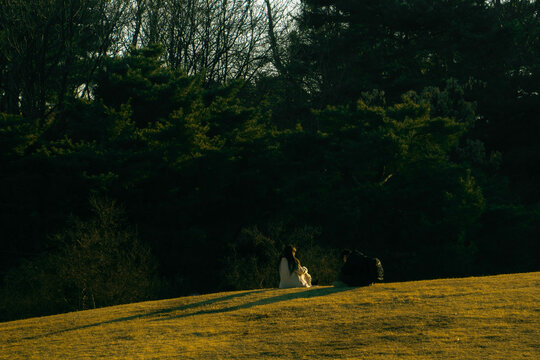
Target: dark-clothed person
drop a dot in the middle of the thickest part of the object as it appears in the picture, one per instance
(359, 269)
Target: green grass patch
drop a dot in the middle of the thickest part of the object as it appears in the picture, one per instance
(496, 317)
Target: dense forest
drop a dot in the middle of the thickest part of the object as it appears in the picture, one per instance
(158, 148)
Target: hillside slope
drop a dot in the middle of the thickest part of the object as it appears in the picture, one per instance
(495, 317)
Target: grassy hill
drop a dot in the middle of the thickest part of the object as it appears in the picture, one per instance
(496, 317)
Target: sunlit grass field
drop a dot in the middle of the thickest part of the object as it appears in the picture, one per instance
(496, 317)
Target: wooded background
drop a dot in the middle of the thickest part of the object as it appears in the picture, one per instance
(158, 148)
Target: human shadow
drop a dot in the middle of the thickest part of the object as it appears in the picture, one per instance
(149, 314)
(308, 293)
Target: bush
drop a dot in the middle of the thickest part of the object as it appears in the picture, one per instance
(103, 262)
(252, 262)
(32, 289)
(99, 262)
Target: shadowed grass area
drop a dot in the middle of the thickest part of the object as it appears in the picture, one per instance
(495, 317)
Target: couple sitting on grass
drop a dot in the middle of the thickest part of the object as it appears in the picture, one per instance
(357, 270)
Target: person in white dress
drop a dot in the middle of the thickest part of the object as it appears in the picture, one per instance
(291, 272)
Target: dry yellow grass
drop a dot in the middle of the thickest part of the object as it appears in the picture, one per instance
(495, 317)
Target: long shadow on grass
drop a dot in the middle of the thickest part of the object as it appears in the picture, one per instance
(313, 292)
(145, 315)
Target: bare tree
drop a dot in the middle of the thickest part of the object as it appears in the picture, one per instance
(224, 39)
(50, 48)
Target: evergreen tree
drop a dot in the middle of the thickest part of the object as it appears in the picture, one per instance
(347, 47)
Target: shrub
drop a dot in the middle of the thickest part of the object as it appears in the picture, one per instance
(99, 262)
(103, 262)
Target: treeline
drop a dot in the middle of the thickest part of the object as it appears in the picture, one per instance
(154, 148)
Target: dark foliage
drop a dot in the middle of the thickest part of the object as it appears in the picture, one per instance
(406, 129)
